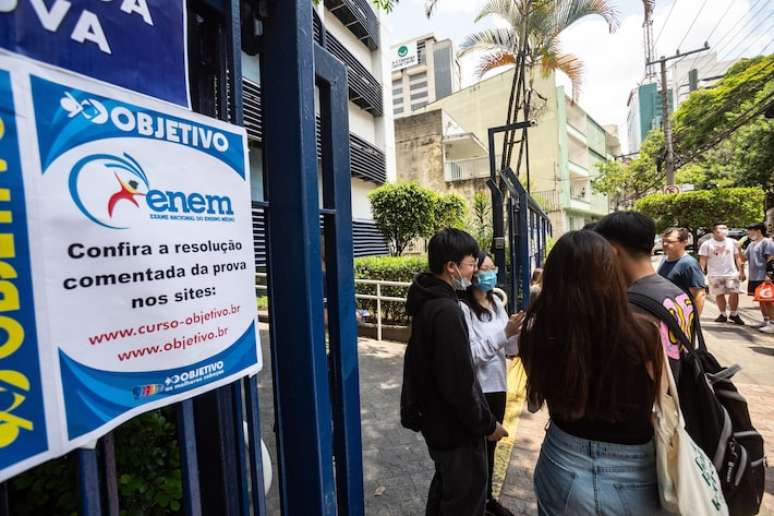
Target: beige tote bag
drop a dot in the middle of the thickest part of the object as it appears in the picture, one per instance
(688, 483)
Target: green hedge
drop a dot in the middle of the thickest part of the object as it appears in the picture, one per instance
(388, 268)
(149, 478)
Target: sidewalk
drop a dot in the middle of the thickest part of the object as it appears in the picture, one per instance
(753, 350)
(396, 466)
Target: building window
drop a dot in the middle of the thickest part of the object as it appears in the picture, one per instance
(397, 110)
(397, 93)
(419, 77)
(419, 105)
(416, 86)
(419, 96)
(397, 100)
(421, 51)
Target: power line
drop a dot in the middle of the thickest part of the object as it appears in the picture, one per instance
(745, 118)
(691, 25)
(712, 32)
(747, 17)
(731, 55)
(666, 20)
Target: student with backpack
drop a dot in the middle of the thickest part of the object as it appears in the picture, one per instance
(441, 396)
(632, 235)
(715, 414)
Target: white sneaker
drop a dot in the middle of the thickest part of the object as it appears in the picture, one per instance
(769, 328)
(759, 325)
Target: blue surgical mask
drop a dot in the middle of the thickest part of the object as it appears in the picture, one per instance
(486, 280)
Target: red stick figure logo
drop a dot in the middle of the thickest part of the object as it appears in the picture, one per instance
(127, 193)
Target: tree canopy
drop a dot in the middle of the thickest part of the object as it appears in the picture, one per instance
(702, 209)
(721, 139)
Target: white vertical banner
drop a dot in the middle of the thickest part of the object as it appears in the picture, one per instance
(128, 254)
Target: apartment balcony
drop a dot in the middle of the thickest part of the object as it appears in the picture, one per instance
(359, 18)
(583, 198)
(466, 169)
(367, 161)
(549, 200)
(364, 89)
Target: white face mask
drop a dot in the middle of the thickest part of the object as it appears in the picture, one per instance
(460, 283)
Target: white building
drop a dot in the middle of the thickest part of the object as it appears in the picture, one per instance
(353, 32)
(423, 70)
(693, 72)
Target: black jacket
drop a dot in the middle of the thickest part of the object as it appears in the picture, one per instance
(441, 396)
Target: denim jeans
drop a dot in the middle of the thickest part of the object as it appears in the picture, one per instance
(581, 477)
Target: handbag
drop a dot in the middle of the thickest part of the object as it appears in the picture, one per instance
(687, 480)
(764, 293)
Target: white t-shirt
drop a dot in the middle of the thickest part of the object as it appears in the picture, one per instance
(721, 257)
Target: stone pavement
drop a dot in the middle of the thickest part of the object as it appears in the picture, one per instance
(397, 469)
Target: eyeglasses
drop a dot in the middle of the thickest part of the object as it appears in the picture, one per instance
(665, 241)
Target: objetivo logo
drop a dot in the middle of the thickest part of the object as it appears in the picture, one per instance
(108, 190)
(402, 51)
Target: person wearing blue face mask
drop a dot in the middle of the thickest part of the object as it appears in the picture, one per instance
(492, 337)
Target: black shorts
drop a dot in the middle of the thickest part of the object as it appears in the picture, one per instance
(752, 285)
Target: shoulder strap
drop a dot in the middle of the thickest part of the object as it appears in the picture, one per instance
(657, 310)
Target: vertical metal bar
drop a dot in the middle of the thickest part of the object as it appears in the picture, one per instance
(5, 503)
(89, 482)
(331, 76)
(378, 312)
(498, 224)
(304, 435)
(256, 453)
(111, 473)
(189, 462)
(522, 223)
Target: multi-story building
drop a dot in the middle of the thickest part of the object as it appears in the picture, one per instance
(644, 112)
(644, 106)
(353, 32)
(701, 71)
(442, 146)
(423, 71)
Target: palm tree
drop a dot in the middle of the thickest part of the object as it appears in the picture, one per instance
(531, 41)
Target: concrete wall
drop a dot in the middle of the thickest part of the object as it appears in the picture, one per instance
(485, 104)
(419, 151)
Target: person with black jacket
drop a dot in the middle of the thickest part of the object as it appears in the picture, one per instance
(441, 396)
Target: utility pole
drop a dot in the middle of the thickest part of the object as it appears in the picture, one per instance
(667, 124)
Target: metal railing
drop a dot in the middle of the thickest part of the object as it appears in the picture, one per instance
(378, 297)
(549, 200)
(359, 18)
(464, 169)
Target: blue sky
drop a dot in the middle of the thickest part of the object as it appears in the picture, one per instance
(613, 63)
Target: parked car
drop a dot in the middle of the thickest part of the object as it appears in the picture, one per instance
(740, 235)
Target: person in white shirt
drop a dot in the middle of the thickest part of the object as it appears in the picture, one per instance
(721, 258)
(493, 335)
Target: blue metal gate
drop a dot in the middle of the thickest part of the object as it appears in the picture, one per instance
(316, 380)
(523, 249)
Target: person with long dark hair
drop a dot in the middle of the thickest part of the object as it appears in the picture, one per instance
(593, 362)
(492, 336)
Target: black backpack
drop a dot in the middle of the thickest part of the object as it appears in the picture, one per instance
(716, 415)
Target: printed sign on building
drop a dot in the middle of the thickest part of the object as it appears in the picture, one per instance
(405, 55)
(136, 44)
(126, 259)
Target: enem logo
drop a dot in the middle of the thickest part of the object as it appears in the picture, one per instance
(131, 186)
(402, 51)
